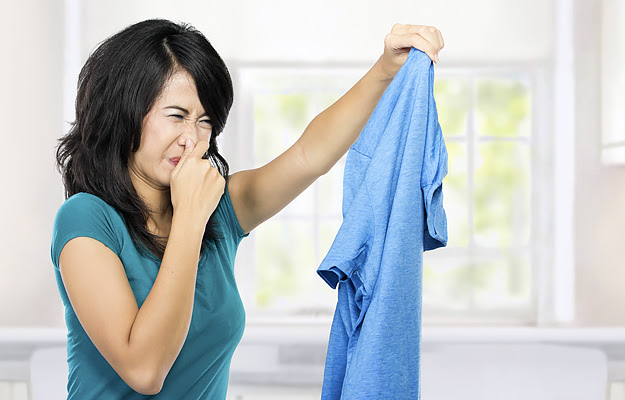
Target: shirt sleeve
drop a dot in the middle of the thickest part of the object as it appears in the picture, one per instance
(230, 217)
(83, 215)
(432, 174)
(351, 244)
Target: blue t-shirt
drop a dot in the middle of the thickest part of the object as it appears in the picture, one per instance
(201, 370)
(392, 212)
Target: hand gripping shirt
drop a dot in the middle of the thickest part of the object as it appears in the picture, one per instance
(201, 370)
(392, 212)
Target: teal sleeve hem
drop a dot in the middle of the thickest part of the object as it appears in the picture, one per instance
(240, 232)
(59, 245)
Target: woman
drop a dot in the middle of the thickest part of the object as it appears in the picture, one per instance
(144, 245)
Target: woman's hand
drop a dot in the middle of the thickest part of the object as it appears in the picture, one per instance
(195, 185)
(397, 45)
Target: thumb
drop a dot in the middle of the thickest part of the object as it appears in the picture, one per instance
(188, 148)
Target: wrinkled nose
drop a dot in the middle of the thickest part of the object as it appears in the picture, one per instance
(182, 140)
(191, 132)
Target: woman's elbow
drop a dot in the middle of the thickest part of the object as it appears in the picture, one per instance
(149, 388)
(144, 382)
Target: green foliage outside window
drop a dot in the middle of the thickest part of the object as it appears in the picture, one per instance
(486, 198)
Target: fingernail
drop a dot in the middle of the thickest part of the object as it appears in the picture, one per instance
(187, 143)
(436, 56)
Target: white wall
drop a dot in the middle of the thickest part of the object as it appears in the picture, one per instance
(287, 30)
(600, 190)
(485, 31)
(31, 109)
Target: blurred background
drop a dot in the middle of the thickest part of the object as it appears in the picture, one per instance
(530, 98)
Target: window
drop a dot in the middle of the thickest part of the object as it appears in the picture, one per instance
(486, 271)
(288, 248)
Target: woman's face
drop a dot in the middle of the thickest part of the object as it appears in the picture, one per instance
(176, 115)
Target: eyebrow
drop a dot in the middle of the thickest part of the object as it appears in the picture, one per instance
(184, 110)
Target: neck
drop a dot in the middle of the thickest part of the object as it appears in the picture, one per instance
(158, 200)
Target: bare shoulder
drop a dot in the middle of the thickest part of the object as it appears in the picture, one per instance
(237, 189)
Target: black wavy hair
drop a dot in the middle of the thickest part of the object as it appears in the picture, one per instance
(117, 87)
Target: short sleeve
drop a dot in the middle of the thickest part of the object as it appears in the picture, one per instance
(351, 245)
(87, 215)
(230, 216)
(432, 174)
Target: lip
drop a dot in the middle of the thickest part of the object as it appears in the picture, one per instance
(174, 160)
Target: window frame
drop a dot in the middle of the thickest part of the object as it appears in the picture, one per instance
(552, 286)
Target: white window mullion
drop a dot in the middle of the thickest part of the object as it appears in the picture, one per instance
(472, 136)
(564, 165)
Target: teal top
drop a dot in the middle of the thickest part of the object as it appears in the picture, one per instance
(201, 370)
